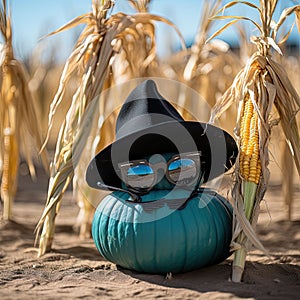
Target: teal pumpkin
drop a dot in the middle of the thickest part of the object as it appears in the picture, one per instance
(164, 235)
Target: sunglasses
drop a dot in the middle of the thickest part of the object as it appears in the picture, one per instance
(182, 170)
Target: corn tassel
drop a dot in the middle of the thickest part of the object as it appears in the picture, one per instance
(250, 171)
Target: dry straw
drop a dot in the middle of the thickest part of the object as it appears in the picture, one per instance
(262, 91)
(207, 68)
(92, 60)
(18, 117)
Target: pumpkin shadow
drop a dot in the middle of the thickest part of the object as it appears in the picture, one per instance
(260, 281)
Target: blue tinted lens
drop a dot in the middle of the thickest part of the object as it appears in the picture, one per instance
(140, 176)
(141, 170)
(182, 171)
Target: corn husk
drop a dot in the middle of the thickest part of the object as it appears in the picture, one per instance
(269, 87)
(19, 116)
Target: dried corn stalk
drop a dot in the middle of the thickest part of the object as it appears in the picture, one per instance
(200, 49)
(138, 38)
(91, 59)
(207, 68)
(292, 65)
(199, 62)
(18, 117)
(259, 88)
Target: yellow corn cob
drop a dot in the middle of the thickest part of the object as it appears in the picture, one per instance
(250, 166)
(250, 170)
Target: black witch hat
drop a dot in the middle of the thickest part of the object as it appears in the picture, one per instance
(148, 124)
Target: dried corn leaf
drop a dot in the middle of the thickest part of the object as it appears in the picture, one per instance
(233, 3)
(237, 18)
(218, 32)
(285, 13)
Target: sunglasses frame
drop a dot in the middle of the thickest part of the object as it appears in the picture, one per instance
(194, 156)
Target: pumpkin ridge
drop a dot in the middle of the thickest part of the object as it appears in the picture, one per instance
(196, 224)
(223, 220)
(217, 236)
(134, 228)
(155, 262)
(122, 233)
(96, 232)
(96, 229)
(185, 239)
(211, 233)
(225, 204)
(227, 239)
(107, 246)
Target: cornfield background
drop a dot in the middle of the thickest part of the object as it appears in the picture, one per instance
(207, 68)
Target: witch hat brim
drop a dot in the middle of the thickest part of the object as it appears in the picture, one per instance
(148, 124)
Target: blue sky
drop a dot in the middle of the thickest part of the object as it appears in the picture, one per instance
(33, 19)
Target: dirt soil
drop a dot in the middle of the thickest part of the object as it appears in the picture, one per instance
(75, 270)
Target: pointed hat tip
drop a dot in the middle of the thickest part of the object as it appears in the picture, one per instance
(149, 83)
(147, 89)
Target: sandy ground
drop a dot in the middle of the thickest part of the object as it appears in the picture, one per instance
(75, 270)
